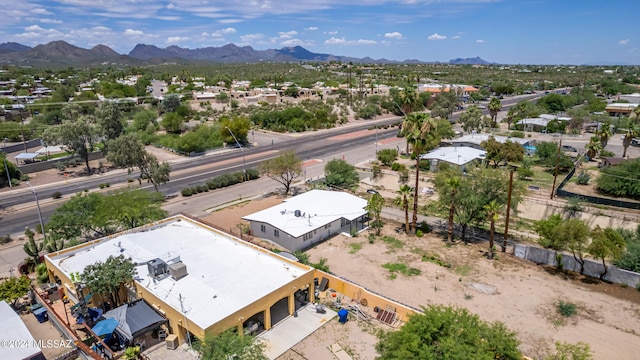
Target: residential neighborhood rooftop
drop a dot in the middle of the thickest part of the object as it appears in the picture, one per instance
(315, 209)
(224, 273)
(458, 155)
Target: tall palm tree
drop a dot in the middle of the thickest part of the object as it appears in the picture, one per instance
(605, 134)
(493, 210)
(593, 147)
(453, 183)
(404, 201)
(511, 114)
(420, 131)
(628, 138)
(494, 106)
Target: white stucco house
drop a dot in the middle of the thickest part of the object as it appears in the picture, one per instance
(304, 220)
(456, 156)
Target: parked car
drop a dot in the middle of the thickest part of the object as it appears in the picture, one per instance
(569, 148)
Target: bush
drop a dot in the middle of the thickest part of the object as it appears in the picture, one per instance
(605, 152)
(419, 233)
(60, 165)
(24, 177)
(387, 156)
(517, 134)
(186, 192)
(6, 239)
(424, 227)
(396, 166)
(566, 309)
(56, 195)
(584, 178)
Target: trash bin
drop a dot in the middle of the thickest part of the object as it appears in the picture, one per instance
(41, 314)
(342, 316)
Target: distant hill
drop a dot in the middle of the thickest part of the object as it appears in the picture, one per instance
(469, 61)
(10, 47)
(64, 54)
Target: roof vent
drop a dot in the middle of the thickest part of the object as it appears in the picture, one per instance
(297, 213)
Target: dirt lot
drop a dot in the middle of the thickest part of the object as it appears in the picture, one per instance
(525, 296)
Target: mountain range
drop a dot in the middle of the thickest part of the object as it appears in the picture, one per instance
(62, 53)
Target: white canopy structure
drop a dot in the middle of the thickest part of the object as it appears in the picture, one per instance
(49, 149)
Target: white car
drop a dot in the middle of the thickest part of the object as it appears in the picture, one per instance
(480, 106)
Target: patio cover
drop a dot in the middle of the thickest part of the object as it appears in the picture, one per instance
(26, 156)
(135, 319)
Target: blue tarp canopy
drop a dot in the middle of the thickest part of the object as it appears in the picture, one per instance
(105, 327)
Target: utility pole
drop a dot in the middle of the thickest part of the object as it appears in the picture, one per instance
(555, 175)
(506, 225)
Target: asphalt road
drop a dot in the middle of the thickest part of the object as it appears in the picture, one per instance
(354, 151)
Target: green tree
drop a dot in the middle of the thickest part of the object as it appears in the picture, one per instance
(172, 122)
(292, 91)
(470, 119)
(493, 210)
(129, 153)
(14, 288)
(32, 248)
(574, 234)
(129, 208)
(230, 345)
(170, 103)
(340, 173)
(14, 172)
(448, 333)
(628, 138)
(374, 207)
(239, 125)
(77, 134)
(285, 169)
(144, 118)
(546, 230)
(494, 106)
(109, 120)
(107, 277)
(621, 180)
(606, 244)
(452, 184)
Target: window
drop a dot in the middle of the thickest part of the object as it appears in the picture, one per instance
(307, 236)
(276, 233)
(327, 226)
(263, 228)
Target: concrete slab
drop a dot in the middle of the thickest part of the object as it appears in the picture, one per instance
(292, 330)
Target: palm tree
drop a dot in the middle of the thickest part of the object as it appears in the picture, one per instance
(605, 134)
(628, 138)
(404, 201)
(420, 131)
(493, 210)
(510, 115)
(593, 147)
(453, 183)
(494, 106)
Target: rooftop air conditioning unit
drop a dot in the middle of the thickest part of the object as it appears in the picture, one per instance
(156, 267)
(178, 270)
(172, 342)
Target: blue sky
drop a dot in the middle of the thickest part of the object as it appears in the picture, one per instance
(501, 31)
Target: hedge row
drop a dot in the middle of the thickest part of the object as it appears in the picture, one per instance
(220, 181)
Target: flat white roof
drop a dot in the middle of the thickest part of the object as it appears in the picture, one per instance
(317, 208)
(224, 274)
(554, 117)
(458, 155)
(479, 138)
(534, 121)
(12, 328)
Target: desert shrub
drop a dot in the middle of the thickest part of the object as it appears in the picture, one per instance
(387, 156)
(424, 227)
(186, 192)
(6, 239)
(566, 309)
(56, 195)
(517, 134)
(605, 152)
(584, 178)
(396, 166)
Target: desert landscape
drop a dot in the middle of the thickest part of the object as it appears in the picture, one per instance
(516, 292)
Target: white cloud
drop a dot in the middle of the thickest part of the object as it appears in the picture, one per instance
(131, 32)
(296, 42)
(456, 37)
(311, 28)
(480, 41)
(393, 35)
(41, 11)
(176, 39)
(623, 42)
(50, 21)
(228, 30)
(436, 36)
(331, 32)
(343, 41)
(287, 34)
(251, 38)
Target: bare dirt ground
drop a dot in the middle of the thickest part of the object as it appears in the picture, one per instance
(525, 296)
